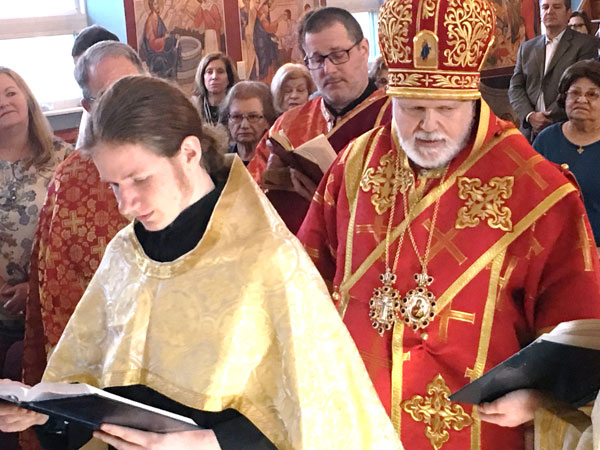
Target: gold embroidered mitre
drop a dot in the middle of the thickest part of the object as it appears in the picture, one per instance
(435, 48)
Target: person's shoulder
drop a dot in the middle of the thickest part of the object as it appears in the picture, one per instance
(361, 144)
(290, 117)
(530, 43)
(551, 131)
(72, 166)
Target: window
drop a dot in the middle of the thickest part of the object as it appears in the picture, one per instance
(368, 23)
(36, 37)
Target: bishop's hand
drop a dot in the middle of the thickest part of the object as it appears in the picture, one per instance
(512, 409)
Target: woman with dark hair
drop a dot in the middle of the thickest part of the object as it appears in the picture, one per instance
(580, 22)
(205, 305)
(29, 154)
(576, 142)
(214, 77)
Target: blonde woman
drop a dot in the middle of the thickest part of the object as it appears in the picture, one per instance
(291, 86)
(29, 153)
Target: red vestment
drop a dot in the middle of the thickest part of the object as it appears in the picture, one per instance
(512, 255)
(78, 219)
(307, 121)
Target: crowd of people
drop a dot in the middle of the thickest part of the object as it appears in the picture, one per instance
(180, 256)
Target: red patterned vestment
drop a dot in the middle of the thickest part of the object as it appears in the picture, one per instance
(512, 255)
(307, 121)
(79, 218)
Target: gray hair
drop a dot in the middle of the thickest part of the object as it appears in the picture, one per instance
(95, 54)
(245, 90)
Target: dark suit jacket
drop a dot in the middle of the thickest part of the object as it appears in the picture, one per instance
(528, 79)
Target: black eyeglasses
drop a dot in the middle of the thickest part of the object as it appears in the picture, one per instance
(338, 57)
(252, 117)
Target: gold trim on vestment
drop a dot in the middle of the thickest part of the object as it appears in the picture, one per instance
(358, 109)
(484, 341)
(354, 171)
(433, 93)
(502, 243)
(250, 326)
(349, 281)
(382, 112)
(397, 372)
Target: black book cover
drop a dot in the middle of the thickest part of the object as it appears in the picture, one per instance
(570, 373)
(92, 410)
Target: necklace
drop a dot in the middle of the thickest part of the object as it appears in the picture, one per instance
(418, 305)
(384, 305)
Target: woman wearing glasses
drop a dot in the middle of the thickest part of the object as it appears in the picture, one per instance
(248, 113)
(576, 142)
(580, 22)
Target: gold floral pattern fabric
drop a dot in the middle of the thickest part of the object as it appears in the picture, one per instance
(242, 321)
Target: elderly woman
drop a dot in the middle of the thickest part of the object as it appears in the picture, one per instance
(576, 142)
(28, 156)
(205, 305)
(214, 77)
(248, 113)
(291, 86)
(378, 73)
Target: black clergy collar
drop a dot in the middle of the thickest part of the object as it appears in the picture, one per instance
(183, 234)
(368, 91)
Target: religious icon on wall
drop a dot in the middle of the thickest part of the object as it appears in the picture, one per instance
(173, 35)
(269, 34)
(516, 22)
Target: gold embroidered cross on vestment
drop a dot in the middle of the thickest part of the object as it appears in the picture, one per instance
(485, 202)
(438, 412)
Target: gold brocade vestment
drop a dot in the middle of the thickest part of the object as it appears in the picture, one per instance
(242, 321)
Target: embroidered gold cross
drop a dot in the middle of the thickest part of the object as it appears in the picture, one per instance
(527, 167)
(100, 191)
(444, 241)
(73, 222)
(450, 314)
(378, 229)
(439, 413)
(586, 244)
(381, 182)
(535, 249)
(485, 201)
(100, 247)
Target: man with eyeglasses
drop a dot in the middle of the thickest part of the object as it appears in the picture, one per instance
(336, 54)
(540, 63)
(248, 112)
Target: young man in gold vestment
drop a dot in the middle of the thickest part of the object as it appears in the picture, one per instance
(231, 326)
(449, 241)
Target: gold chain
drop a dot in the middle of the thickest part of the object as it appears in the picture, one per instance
(391, 219)
(425, 259)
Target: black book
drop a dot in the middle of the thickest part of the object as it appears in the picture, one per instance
(564, 363)
(90, 407)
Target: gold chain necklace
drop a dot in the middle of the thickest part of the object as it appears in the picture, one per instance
(417, 307)
(384, 305)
